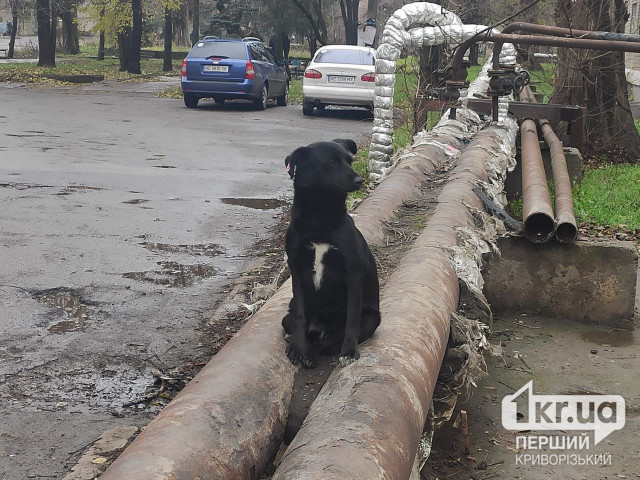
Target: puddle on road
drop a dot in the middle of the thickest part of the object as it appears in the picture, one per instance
(257, 203)
(164, 166)
(68, 190)
(614, 338)
(75, 309)
(23, 186)
(198, 250)
(174, 274)
(136, 201)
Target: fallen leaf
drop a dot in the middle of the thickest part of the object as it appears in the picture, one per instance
(99, 460)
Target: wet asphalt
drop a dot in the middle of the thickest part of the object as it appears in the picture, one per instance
(123, 218)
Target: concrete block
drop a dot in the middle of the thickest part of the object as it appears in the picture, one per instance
(513, 183)
(588, 282)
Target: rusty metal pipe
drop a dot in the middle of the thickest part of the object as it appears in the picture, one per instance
(568, 32)
(565, 220)
(559, 32)
(537, 213)
(367, 420)
(565, 224)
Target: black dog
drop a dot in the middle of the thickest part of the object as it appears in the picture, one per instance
(335, 302)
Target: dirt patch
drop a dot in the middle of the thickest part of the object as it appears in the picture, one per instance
(257, 203)
(174, 274)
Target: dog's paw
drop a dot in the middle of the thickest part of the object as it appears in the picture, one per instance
(287, 337)
(307, 362)
(292, 353)
(348, 359)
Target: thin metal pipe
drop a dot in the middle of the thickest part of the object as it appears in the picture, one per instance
(565, 220)
(568, 32)
(537, 213)
(558, 32)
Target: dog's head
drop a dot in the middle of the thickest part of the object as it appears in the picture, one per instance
(325, 165)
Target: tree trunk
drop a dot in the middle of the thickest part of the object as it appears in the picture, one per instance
(46, 19)
(123, 49)
(14, 29)
(101, 39)
(70, 37)
(349, 10)
(101, 46)
(133, 63)
(318, 26)
(597, 80)
(168, 36)
(195, 32)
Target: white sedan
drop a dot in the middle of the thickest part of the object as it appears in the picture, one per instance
(339, 75)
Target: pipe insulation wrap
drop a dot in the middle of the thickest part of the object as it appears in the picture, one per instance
(432, 25)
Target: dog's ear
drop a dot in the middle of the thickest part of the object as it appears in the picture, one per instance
(291, 162)
(348, 144)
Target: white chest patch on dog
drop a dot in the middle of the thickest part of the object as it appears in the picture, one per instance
(318, 267)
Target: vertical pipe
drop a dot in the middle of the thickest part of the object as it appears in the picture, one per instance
(565, 220)
(565, 223)
(537, 213)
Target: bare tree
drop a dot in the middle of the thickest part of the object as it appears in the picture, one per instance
(47, 20)
(597, 79)
(349, 10)
(15, 6)
(70, 37)
(168, 36)
(195, 29)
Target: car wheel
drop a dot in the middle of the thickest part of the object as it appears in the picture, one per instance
(321, 106)
(261, 102)
(190, 100)
(284, 98)
(307, 108)
(219, 100)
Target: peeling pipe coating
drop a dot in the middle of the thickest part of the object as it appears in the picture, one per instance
(537, 214)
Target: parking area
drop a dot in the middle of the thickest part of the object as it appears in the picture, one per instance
(124, 219)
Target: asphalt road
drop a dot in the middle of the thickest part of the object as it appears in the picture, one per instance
(123, 217)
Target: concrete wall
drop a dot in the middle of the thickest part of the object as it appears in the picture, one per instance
(588, 282)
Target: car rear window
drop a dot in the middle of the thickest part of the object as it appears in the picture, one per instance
(220, 49)
(357, 57)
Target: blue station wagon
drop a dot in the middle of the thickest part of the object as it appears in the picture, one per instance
(225, 69)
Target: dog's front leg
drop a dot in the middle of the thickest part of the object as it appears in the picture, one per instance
(349, 351)
(297, 350)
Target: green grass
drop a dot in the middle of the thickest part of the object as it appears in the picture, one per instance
(609, 196)
(361, 166)
(295, 91)
(82, 65)
(543, 80)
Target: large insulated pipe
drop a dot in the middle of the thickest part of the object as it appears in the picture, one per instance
(230, 419)
(367, 421)
(565, 221)
(537, 213)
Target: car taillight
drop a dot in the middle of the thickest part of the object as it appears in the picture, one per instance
(183, 70)
(368, 77)
(250, 72)
(311, 73)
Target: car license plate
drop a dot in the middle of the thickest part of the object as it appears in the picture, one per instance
(216, 68)
(341, 79)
